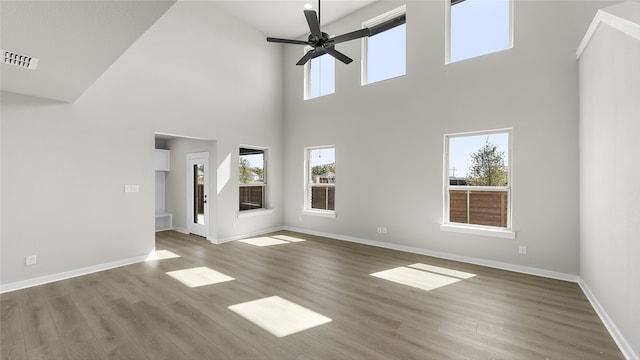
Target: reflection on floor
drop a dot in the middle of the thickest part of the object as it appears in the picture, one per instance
(161, 255)
(199, 276)
(278, 316)
(271, 240)
(423, 276)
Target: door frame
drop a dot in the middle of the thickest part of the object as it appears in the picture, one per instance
(201, 230)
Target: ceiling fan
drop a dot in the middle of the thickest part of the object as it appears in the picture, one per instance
(320, 41)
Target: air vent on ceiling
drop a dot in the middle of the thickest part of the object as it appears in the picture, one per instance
(19, 60)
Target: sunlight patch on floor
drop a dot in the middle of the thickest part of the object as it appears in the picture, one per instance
(288, 238)
(416, 278)
(271, 240)
(278, 316)
(443, 271)
(199, 276)
(161, 255)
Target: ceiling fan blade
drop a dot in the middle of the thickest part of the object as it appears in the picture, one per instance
(287, 41)
(306, 57)
(314, 24)
(350, 36)
(338, 55)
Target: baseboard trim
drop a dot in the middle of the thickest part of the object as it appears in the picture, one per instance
(617, 336)
(18, 285)
(443, 255)
(219, 241)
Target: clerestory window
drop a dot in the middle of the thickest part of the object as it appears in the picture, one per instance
(320, 76)
(385, 50)
(478, 27)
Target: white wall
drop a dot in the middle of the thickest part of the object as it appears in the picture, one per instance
(196, 72)
(389, 135)
(609, 176)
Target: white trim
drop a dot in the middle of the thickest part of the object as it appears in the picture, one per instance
(442, 255)
(307, 75)
(321, 213)
(70, 274)
(194, 228)
(479, 230)
(245, 235)
(624, 25)
(307, 178)
(472, 228)
(397, 12)
(617, 336)
(447, 33)
(255, 212)
(181, 230)
(266, 188)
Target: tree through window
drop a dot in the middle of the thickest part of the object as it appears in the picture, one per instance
(478, 189)
(252, 179)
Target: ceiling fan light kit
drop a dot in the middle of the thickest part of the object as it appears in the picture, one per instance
(320, 42)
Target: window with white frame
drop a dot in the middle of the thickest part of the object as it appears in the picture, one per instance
(320, 178)
(478, 27)
(385, 50)
(252, 178)
(478, 179)
(320, 76)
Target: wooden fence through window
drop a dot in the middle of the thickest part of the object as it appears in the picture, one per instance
(484, 207)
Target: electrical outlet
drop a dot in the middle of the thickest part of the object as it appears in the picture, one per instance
(382, 229)
(132, 188)
(30, 260)
(522, 250)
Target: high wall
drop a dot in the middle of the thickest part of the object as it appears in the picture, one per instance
(64, 166)
(389, 136)
(610, 171)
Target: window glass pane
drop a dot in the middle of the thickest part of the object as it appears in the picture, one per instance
(479, 27)
(251, 179)
(322, 178)
(478, 188)
(489, 208)
(321, 76)
(386, 54)
(479, 160)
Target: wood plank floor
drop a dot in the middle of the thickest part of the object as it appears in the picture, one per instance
(139, 312)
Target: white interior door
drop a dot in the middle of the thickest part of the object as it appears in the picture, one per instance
(198, 193)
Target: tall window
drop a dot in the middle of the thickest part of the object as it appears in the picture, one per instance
(478, 27)
(320, 76)
(320, 178)
(252, 178)
(478, 184)
(385, 50)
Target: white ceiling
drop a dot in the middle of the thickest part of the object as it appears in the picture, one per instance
(285, 18)
(76, 41)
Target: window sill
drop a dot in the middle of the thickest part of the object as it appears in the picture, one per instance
(321, 213)
(479, 230)
(252, 213)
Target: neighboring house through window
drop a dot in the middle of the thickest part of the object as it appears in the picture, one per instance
(385, 50)
(320, 179)
(252, 178)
